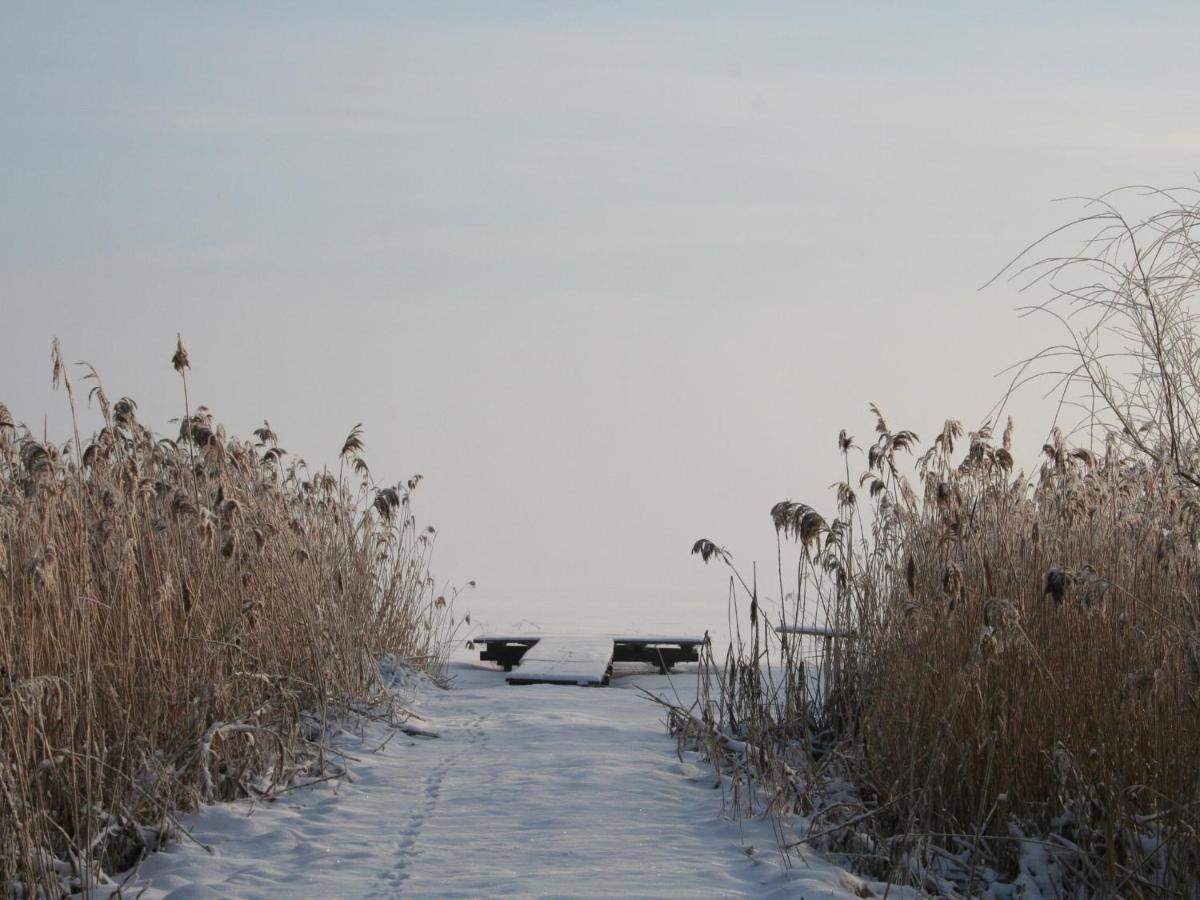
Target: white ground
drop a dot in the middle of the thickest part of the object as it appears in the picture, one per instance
(530, 791)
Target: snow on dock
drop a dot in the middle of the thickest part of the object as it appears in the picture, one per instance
(566, 660)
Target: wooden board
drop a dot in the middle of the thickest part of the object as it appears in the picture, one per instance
(566, 660)
(657, 639)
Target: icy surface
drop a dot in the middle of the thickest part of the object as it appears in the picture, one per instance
(530, 791)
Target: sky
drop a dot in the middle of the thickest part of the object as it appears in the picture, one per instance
(610, 276)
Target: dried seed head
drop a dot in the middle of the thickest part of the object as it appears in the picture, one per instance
(229, 509)
(44, 566)
(265, 435)
(123, 413)
(386, 502)
(207, 528)
(180, 359)
(353, 445)
(1056, 582)
(1084, 456)
(706, 550)
(1001, 615)
(952, 584)
(36, 458)
(182, 505)
(59, 370)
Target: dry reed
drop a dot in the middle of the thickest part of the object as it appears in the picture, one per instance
(181, 619)
(1014, 698)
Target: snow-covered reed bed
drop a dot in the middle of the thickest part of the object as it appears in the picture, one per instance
(179, 619)
(1014, 702)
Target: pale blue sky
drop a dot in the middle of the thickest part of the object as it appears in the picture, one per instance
(612, 276)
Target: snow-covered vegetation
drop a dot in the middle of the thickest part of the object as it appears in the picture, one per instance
(1014, 706)
(180, 619)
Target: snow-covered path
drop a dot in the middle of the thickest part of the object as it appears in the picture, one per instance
(529, 791)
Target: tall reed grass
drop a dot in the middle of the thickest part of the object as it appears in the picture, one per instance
(180, 620)
(1012, 703)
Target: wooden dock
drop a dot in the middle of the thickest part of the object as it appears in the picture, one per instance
(566, 660)
(579, 659)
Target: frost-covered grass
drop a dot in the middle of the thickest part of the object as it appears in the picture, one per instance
(1018, 704)
(179, 619)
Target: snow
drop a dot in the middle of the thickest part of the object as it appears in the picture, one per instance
(530, 791)
(567, 660)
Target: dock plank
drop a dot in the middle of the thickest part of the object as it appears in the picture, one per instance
(566, 660)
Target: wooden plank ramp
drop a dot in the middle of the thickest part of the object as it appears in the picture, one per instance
(566, 660)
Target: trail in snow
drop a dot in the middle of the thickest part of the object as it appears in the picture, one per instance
(530, 791)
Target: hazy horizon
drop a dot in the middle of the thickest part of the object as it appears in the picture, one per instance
(610, 278)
